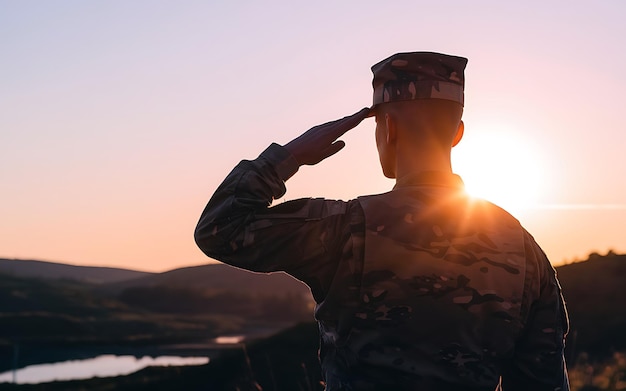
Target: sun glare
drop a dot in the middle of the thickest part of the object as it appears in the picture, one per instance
(501, 167)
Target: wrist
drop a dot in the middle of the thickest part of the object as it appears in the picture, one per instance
(293, 151)
(283, 161)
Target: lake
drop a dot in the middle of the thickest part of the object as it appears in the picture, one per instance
(106, 365)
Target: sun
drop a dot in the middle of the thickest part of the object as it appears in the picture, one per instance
(500, 166)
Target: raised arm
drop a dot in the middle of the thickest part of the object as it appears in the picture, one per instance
(239, 227)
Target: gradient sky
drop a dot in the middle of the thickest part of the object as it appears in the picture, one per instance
(118, 119)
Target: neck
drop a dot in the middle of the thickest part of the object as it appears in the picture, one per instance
(413, 161)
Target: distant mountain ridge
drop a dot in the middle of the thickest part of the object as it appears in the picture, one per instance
(218, 277)
(215, 276)
(582, 281)
(56, 271)
(594, 291)
(43, 304)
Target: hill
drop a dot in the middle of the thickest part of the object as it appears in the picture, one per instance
(594, 291)
(65, 312)
(52, 270)
(217, 277)
(54, 320)
(217, 289)
(184, 305)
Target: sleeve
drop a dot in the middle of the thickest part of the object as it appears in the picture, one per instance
(538, 362)
(301, 237)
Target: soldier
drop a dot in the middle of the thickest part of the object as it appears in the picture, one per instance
(420, 288)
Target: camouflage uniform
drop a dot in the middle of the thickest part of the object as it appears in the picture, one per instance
(420, 288)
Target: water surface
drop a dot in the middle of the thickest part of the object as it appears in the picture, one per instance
(102, 366)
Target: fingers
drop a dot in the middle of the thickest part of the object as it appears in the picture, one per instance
(341, 126)
(320, 142)
(361, 114)
(332, 149)
(356, 118)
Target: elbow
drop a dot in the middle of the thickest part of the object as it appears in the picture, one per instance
(216, 243)
(207, 240)
(210, 239)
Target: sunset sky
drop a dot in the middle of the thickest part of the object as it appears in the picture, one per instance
(118, 119)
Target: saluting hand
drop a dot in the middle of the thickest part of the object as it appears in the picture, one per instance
(320, 142)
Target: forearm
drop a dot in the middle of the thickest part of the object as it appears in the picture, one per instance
(250, 187)
(231, 228)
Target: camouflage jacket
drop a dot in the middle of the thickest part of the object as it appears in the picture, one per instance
(420, 288)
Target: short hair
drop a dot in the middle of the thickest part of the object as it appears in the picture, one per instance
(433, 118)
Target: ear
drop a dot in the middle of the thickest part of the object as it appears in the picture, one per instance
(392, 129)
(459, 134)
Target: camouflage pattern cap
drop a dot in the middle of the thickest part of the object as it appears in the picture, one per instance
(419, 75)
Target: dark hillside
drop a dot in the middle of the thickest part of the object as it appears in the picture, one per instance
(46, 315)
(595, 291)
(214, 277)
(51, 271)
(60, 297)
(218, 289)
(218, 277)
(61, 320)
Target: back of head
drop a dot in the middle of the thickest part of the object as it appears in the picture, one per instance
(425, 120)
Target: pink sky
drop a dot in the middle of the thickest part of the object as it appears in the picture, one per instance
(119, 119)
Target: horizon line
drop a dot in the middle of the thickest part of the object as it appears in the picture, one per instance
(578, 206)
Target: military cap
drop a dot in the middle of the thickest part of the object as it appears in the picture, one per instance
(419, 75)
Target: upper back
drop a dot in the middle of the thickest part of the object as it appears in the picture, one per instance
(442, 284)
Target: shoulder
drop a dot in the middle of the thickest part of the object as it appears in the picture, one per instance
(541, 271)
(310, 209)
(449, 205)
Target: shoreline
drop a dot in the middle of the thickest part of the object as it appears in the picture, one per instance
(48, 352)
